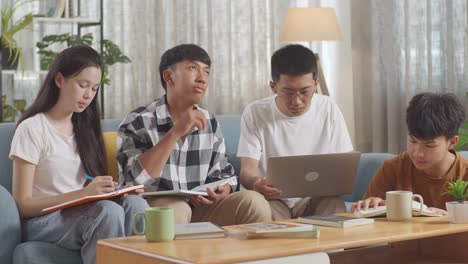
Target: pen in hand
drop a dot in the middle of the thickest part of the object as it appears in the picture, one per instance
(89, 177)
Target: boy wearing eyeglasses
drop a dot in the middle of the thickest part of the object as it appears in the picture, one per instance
(294, 121)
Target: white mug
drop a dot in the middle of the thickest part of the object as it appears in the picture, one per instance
(400, 205)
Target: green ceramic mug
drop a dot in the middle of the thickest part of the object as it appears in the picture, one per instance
(158, 224)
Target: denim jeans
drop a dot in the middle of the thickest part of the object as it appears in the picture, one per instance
(80, 227)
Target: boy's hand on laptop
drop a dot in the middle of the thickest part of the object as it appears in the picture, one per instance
(188, 121)
(213, 196)
(270, 192)
(365, 204)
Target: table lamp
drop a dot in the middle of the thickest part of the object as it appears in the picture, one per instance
(311, 24)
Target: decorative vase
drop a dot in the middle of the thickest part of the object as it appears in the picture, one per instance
(457, 212)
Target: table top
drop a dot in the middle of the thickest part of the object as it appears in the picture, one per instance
(234, 249)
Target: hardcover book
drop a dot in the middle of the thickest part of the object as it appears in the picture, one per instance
(198, 230)
(335, 220)
(278, 230)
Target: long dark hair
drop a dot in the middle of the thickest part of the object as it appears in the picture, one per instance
(87, 124)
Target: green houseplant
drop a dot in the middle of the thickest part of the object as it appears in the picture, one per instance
(458, 190)
(111, 53)
(463, 138)
(457, 210)
(11, 53)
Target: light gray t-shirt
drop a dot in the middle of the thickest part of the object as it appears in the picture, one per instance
(58, 164)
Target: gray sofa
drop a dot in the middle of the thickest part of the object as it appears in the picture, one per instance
(14, 251)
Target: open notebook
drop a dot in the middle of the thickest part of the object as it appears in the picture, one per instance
(88, 199)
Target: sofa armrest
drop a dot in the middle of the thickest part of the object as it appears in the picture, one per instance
(10, 226)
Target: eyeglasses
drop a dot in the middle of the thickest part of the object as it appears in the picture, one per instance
(303, 95)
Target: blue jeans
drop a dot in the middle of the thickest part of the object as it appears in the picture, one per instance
(80, 227)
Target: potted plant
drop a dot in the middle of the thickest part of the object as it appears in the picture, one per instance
(458, 209)
(463, 138)
(111, 53)
(11, 53)
(9, 112)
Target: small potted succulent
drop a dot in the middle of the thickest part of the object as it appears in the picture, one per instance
(458, 209)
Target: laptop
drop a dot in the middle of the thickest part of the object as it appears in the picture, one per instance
(314, 175)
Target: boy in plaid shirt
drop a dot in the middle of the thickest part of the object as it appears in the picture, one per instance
(173, 144)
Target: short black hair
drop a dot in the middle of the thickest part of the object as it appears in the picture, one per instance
(180, 53)
(293, 60)
(430, 115)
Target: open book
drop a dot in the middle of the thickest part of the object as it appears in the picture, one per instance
(91, 198)
(381, 211)
(199, 190)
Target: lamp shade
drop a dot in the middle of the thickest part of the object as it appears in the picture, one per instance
(310, 24)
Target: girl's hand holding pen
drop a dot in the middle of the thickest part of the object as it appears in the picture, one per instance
(99, 185)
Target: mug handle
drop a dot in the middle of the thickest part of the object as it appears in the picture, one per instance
(421, 201)
(134, 219)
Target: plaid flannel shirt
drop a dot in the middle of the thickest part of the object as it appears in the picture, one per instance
(199, 159)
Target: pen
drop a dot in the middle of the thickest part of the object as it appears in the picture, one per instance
(89, 177)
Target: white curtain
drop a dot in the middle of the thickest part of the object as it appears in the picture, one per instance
(240, 37)
(401, 48)
(390, 50)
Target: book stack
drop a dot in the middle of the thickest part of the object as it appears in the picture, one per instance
(335, 220)
(278, 230)
(198, 231)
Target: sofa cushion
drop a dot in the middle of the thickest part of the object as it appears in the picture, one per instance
(42, 252)
(230, 125)
(464, 154)
(110, 141)
(368, 165)
(10, 226)
(110, 124)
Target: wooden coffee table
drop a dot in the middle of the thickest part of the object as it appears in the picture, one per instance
(422, 240)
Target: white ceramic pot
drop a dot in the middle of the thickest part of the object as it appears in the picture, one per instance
(457, 212)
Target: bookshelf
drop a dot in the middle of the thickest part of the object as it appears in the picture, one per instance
(76, 22)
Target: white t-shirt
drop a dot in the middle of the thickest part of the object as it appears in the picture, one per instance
(58, 164)
(267, 132)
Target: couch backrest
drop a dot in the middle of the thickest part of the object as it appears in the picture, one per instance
(230, 124)
(6, 134)
(368, 165)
